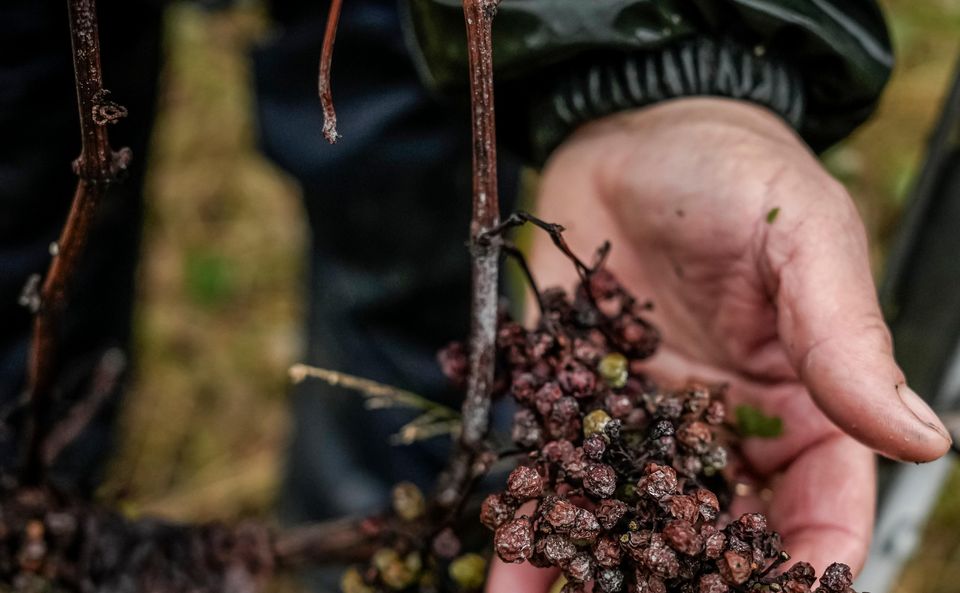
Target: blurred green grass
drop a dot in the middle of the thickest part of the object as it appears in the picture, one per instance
(219, 312)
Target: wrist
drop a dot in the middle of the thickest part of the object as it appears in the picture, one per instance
(685, 126)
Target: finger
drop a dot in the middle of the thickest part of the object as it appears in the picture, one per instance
(830, 323)
(520, 578)
(823, 504)
(803, 424)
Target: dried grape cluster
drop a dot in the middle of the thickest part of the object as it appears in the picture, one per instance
(626, 477)
(413, 556)
(621, 482)
(51, 542)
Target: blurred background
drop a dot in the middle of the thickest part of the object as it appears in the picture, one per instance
(220, 284)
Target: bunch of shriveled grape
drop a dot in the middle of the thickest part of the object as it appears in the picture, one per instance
(621, 482)
(625, 476)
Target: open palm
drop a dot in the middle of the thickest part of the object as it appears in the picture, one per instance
(756, 262)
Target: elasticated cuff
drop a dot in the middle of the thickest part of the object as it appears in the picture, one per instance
(603, 85)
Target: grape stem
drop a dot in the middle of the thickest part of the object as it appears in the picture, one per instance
(513, 251)
(555, 231)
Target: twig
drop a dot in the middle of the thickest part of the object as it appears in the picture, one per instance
(425, 426)
(341, 540)
(555, 231)
(454, 484)
(105, 378)
(97, 167)
(513, 251)
(379, 395)
(326, 59)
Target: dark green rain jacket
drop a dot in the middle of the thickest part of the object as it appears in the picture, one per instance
(820, 64)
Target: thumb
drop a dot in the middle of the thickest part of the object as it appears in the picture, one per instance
(830, 323)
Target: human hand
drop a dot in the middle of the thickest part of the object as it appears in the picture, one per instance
(780, 306)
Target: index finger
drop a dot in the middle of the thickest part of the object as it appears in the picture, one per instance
(822, 480)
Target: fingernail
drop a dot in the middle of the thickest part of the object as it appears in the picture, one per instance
(922, 411)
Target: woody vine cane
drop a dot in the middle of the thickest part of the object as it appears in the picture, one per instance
(97, 168)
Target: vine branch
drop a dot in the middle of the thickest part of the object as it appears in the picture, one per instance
(467, 461)
(340, 540)
(326, 59)
(97, 167)
(378, 394)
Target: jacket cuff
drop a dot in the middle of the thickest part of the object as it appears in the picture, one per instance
(607, 84)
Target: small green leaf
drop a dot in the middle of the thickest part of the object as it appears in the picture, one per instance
(772, 215)
(752, 422)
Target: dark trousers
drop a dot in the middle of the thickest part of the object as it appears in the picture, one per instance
(388, 207)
